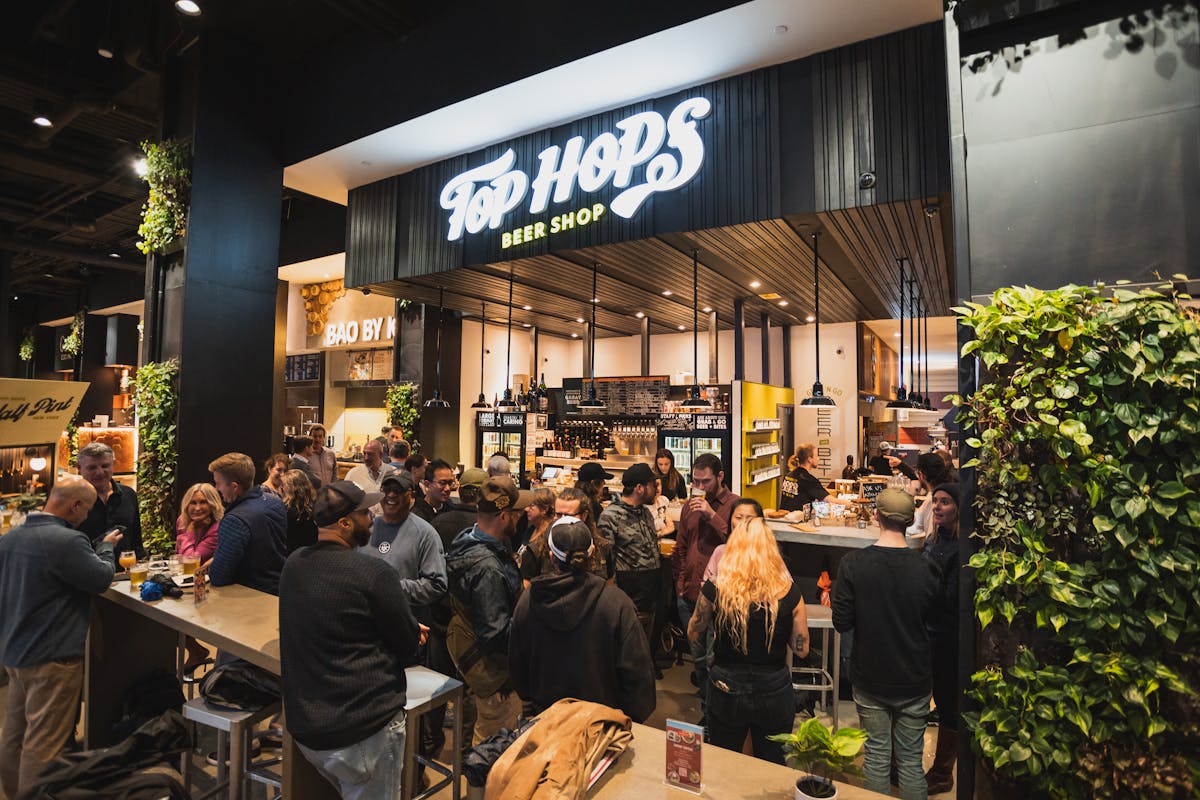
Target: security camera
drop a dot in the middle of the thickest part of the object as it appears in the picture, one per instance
(866, 180)
(366, 290)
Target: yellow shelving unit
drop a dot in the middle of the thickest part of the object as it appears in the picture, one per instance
(760, 462)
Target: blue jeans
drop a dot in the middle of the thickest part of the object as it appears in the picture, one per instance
(366, 770)
(700, 648)
(754, 699)
(897, 724)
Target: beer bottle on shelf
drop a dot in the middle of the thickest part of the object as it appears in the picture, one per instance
(543, 397)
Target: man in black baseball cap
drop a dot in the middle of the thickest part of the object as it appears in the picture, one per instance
(629, 524)
(484, 586)
(591, 471)
(346, 633)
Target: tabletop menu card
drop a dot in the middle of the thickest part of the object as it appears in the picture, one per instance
(684, 746)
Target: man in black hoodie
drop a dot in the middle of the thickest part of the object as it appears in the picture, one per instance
(573, 635)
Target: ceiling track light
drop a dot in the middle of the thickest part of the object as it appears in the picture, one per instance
(41, 116)
(695, 402)
(436, 401)
(591, 404)
(818, 398)
(188, 8)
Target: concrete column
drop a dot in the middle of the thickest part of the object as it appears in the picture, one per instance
(739, 343)
(764, 329)
(645, 346)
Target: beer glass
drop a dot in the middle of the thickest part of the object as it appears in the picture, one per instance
(128, 559)
(190, 564)
(137, 574)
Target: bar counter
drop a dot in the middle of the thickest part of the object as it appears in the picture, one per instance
(641, 772)
(851, 538)
(130, 638)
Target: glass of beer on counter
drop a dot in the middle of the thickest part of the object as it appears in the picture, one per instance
(191, 564)
(137, 574)
(127, 559)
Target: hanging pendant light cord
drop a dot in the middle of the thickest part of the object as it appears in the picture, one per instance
(482, 342)
(592, 332)
(441, 317)
(508, 344)
(925, 349)
(696, 320)
(817, 301)
(900, 388)
(912, 345)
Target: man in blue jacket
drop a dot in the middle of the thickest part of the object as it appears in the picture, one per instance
(252, 538)
(48, 573)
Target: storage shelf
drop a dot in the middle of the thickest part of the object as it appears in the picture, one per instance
(763, 425)
(760, 450)
(763, 475)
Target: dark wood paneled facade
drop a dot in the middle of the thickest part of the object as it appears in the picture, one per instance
(782, 145)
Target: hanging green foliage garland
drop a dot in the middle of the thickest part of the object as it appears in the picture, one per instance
(401, 402)
(1088, 572)
(164, 216)
(25, 352)
(72, 343)
(156, 401)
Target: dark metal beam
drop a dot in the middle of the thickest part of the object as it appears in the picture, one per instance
(15, 244)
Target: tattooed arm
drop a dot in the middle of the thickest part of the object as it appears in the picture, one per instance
(698, 624)
(799, 640)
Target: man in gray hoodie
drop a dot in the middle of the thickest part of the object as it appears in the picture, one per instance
(48, 574)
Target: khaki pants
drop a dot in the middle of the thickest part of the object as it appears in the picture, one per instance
(43, 702)
(496, 711)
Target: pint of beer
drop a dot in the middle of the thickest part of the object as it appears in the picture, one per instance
(137, 574)
(190, 564)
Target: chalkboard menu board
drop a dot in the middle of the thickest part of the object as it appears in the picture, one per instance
(305, 367)
(871, 489)
(629, 396)
(693, 422)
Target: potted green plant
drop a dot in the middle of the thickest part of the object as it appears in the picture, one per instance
(820, 753)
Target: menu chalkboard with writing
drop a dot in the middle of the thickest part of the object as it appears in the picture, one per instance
(627, 396)
(871, 489)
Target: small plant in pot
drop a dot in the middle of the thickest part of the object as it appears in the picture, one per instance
(820, 753)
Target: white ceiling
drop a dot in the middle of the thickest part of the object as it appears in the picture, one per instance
(731, 42)
(326, 268)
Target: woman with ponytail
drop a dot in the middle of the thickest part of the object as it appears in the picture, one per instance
(758, 614)
(574, 635)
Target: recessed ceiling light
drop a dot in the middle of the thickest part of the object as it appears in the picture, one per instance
(189, 7)
(667, 293)
(896, 334)
(574, 335)
(579, 319)
(114, 255)
(707, 309)
(105, 48)
(639, 315)
(42, 121)
(527, 308)
(326, 274)
(810, 318)
(140, 167)
(682, 328)
(524, 324)
(755, 284)
(783, 302)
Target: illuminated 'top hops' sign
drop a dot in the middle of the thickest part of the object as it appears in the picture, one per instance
(480, 197)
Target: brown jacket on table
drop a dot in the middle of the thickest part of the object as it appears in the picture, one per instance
(696, 540)
(554, 758)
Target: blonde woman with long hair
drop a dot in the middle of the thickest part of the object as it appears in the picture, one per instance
(758, 614)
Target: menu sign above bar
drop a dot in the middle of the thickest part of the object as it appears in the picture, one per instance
(621, 396)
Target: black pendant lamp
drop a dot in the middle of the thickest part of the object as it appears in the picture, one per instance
(901, 400)
(436, 401)
(819, 397)
(482, 402)
(695, 402)
(590, 405)
(507, 403)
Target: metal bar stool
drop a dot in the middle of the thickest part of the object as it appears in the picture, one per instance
(233, 744)
(426, 691)
(829, 673)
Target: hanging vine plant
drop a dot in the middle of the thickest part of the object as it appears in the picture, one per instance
(1088, 571)
(25, 351)
(164, 215)
(402, 410)
(156, 401)
(72, 343)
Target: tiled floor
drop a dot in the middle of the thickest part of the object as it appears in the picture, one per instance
(677, 699)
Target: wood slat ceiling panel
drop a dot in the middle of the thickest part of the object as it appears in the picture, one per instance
(774, 254)
(876, 236)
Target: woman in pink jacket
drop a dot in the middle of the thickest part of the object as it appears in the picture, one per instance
(199, 515)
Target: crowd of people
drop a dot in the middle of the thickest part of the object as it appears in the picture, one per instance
(528, 597)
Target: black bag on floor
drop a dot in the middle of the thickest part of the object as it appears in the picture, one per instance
(129, 770)
(240, 686)
(147, 699)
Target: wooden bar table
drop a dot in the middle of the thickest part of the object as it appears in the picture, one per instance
(641, 772)
(130, 638)
(844, 536)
